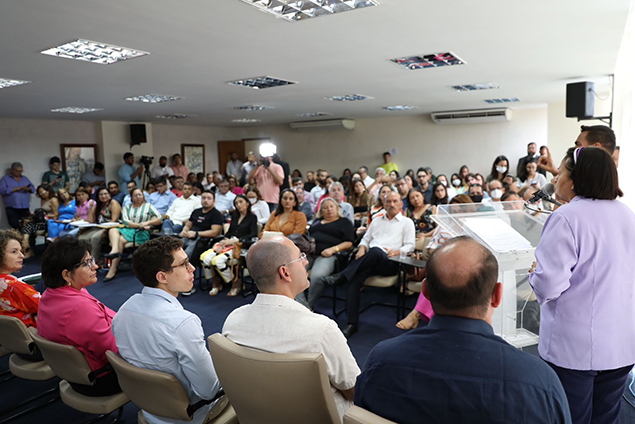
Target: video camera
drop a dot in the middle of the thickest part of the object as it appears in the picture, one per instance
(146, 160)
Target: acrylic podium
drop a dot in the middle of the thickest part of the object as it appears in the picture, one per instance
(511, 233)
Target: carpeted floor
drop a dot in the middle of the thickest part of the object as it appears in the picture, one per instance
(377, 324)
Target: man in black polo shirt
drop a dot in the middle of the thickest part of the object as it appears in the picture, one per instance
(455, 370)
(205, 223)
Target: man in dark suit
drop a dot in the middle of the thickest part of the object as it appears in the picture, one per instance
(532, 152)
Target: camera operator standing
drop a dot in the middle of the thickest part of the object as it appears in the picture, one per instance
(269, 177)
(128, 173)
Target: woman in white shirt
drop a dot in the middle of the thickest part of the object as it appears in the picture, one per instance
(530, 176)
(259, 207)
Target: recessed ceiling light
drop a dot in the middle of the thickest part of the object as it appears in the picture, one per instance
(245, 121)
(505, 100)
(476, 87)
(259, 83)
(76, 110)
(94, 52)
(399, 108)
(435, 60)
(5, 82)
(299, 10)
(153, 98)
(176, 116)
(349, 98)
(252, 108)
(313, 114)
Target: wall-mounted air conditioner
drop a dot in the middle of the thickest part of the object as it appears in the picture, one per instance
(330, 124)
(477, 116)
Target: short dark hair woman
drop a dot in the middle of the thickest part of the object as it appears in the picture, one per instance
(69, 315)
(585, 286)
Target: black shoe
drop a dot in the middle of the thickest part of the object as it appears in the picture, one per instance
(107, 279)
(334, 280)
(189, 293)
(112, 255)
(349, 330)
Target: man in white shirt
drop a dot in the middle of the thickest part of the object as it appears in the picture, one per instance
(246, 169)
(180, 211)
(320, 185)
(386, 237)
(276, 323)
(366, 179)
(154, 332)
(234, 166)
(224, 198)
(162, 170)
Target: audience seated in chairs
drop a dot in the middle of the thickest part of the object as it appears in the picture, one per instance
(455, 370)
(386, 237)
(83, 205)
(305, 206)
(333, 234)
(259, 207)
(18, 299)
(66, 211)
(37, 222)
(139, 217)
(162, 198)
(153, 331)
(421, 214)
(276, 323)
(243, 228)
(297, 182)
(180, 211)
(69, 315)
(360, 200)
(224, 198)
(287, 218)
(106, 210)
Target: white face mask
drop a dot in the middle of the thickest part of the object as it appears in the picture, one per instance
(456, 182)
(497, 193)
(253, 200)
(501, 169)
(444, 182)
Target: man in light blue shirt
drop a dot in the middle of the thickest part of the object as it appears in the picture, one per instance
(224, 198)
(128, 173)
(162, 199)
(154, 332)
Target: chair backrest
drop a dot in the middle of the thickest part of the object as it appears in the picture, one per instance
(357, 415)
(14, 336)
(156, 392)
(67, 362)
(274, 388)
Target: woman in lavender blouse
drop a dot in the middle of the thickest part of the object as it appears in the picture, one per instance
(585, 284)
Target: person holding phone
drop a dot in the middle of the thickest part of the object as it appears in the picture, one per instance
(530, 176)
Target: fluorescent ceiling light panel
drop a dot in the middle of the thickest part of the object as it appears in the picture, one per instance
(300, 10)
(349, 98)
(5, 82)
(505, 100)
(75, 110)
(399, 108)
(153, 98)
(476, 87)
(435, 60)
(252, 108)
(176, 116)
(260, 83)
(93, 52)
(313, 114)
(245, 121)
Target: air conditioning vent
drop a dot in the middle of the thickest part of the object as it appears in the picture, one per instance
(472, 116)
(330, 124)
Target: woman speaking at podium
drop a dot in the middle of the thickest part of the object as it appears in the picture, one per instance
(585, 284)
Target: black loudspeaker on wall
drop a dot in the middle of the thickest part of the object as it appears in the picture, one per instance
(137, 134)
(580, 100)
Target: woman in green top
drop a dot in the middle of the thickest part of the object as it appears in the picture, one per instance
(55, 178)
(139, 217)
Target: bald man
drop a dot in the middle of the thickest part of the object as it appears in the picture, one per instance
(455, 370)
(276, 323)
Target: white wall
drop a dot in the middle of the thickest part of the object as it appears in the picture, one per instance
(419, 142)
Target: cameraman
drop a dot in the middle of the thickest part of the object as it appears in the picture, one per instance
(128, 173)
(269, 177)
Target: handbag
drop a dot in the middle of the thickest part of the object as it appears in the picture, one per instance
(305, 243)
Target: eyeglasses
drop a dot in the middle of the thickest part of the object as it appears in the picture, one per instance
(88, 263)
(185, 263)
(301, 258)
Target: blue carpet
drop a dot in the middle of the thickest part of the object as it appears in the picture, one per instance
(377, 324)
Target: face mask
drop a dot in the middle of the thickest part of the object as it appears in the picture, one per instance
(253, 200)
(445, 183)
(456, 182)
(497, 193)
(476, 198)
(501, 169)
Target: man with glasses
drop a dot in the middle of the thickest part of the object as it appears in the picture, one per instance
(276, 323)
(154, 332)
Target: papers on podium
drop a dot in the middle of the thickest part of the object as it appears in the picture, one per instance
(497, 234)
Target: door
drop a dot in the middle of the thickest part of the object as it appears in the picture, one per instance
(225, 149)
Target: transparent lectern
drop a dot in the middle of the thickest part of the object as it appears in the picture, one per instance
(511, 233)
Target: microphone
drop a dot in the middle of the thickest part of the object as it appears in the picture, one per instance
(545, 194)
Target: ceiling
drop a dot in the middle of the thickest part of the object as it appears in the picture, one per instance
(531, 49)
